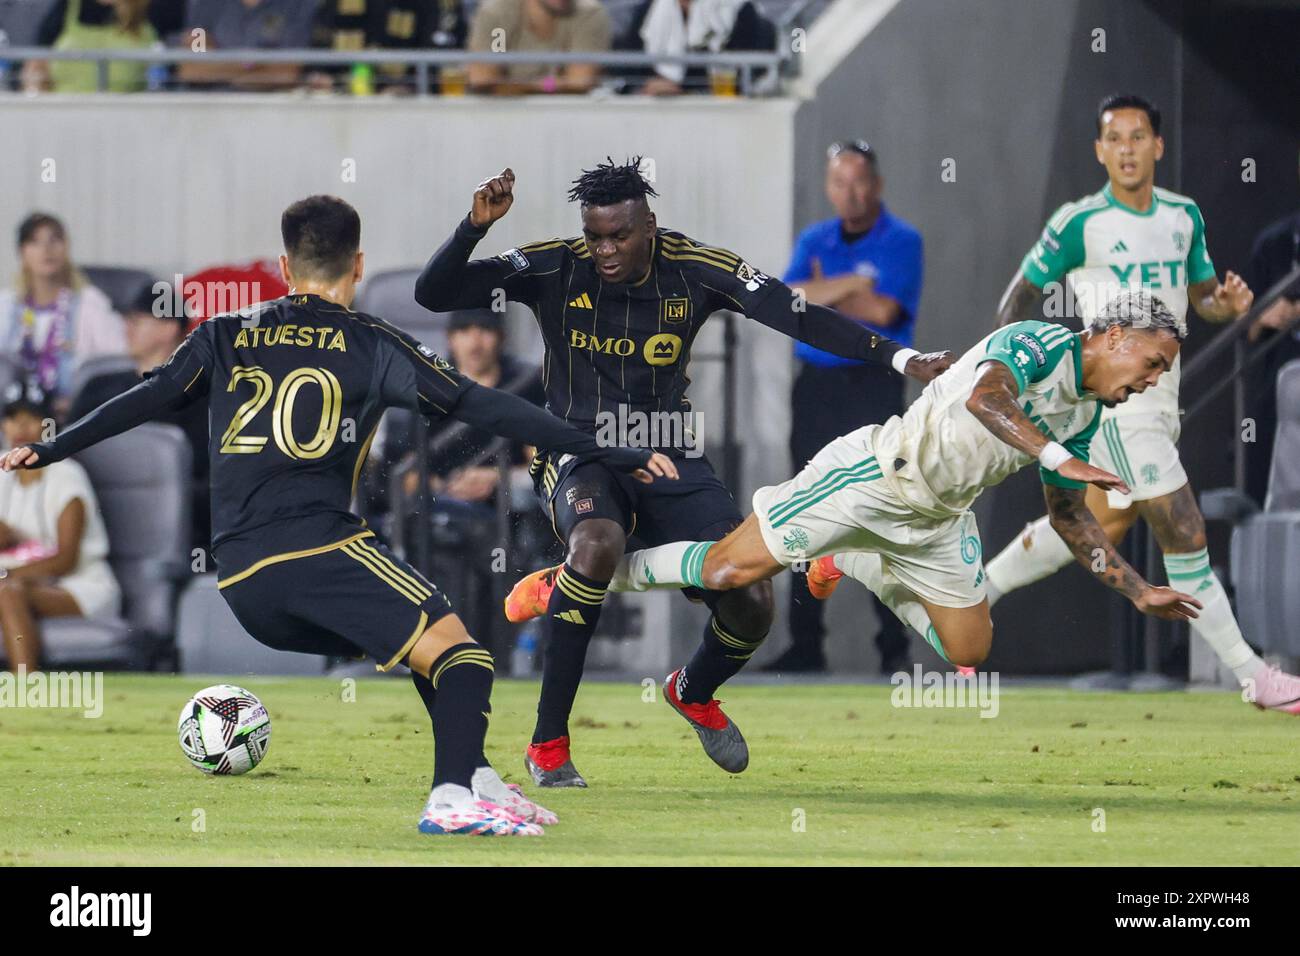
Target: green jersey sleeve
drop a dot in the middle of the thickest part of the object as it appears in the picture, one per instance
(1080, 447)
(1031, 349)
(1199, 266)
(1058, 250)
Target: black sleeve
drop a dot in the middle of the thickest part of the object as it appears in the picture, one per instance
(144, 402)
(515, 418)
(51, 25)
(450, 281)
(773, 303)
(824, 328)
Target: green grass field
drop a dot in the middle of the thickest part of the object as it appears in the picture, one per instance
(1181, 779)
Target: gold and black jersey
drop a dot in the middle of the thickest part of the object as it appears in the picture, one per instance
(614, 346)
(295, 389)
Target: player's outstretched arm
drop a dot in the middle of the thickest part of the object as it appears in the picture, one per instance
(512, 417)
(449, 280)
(1071, 519)
(1021, 301)
(834, 332)
(140, 404)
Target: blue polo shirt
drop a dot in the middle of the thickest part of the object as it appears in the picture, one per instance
(891, 253)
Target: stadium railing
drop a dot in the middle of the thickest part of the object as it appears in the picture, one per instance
(756, 72)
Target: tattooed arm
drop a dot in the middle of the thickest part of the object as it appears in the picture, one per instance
(993, 401)
(1085, 538)
(1022, 300)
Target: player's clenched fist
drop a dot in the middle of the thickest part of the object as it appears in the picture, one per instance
(492, 198)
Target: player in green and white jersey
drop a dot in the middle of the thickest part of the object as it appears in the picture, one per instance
(889, 505)
(1133, 234)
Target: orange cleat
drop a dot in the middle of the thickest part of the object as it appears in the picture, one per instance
(823, 575)
(530, 595)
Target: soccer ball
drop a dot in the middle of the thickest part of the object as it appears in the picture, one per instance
(224, 729)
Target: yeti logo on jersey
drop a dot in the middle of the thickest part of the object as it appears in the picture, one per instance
(1180, 242)
(752, 278)
(1031, 343)
(516, 259)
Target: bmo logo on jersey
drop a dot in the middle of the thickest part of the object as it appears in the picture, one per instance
(662, 349)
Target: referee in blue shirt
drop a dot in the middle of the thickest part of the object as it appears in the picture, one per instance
(866, 263)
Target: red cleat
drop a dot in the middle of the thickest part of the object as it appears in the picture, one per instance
(550, 765)
(719, 735)
(530, 596)
(823, 575)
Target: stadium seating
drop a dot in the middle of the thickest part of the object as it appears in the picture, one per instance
(121, 285)
(1265, 544)
(99, 365)
(391, 296)
(141, 479)
(209, 639)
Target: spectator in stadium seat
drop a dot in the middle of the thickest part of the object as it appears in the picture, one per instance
(154, 329)
(690, 26)
(1276, 251)
(53, 318)
(53, 545)
(247, 24)
(464, 493)
(560, 26)
(91, 25)
(866, 263)
(347, 25)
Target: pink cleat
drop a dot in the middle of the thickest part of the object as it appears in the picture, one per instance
(526, 809)
(965, 671)
(1273, 689)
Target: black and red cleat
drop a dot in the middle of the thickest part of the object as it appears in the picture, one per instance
(718, 733)
(550, 765)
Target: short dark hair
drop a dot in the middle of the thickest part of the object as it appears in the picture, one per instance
(28, 227)
(611, 183)
(321, 236)
(1128, 101)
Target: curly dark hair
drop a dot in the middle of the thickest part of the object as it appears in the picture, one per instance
(610, 183)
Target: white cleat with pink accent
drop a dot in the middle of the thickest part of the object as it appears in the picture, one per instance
(1273, 689)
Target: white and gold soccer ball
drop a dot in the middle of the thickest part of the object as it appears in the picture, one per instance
(224, 729)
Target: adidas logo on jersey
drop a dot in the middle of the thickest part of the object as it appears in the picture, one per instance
(1119, 247)
(581, 302)
(573, 617)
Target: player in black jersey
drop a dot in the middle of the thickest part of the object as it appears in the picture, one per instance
(295, 388)
(618, 309)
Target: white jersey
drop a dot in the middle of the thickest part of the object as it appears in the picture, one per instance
(938, 456)
(1099, 246)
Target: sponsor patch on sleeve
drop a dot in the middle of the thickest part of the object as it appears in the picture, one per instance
(1033, 345)
(516, 259)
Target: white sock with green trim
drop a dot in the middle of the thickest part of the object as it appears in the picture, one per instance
(867, 568)
(1216, 625)
(673, 565)
(1036, 553)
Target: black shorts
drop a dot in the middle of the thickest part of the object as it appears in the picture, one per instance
(695, 507)
(354, 598)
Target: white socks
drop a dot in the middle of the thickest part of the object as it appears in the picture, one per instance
(1216, 625)
(867, 568)
(488, 785)
(450, 795)
(1032, 556)
(673, 565)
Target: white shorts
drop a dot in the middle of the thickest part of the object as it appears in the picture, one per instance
(1141, 449)
(95, 590)
(839, 503)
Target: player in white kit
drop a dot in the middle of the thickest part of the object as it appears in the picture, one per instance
(1133, 234)
(889, 505)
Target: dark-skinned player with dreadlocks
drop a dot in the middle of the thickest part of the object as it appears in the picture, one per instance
(618, 309)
